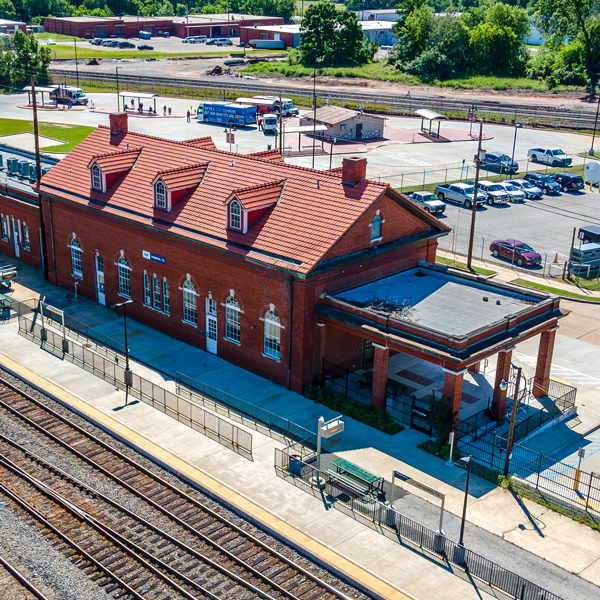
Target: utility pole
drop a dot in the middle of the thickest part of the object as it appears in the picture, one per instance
(38, 168)
(513, 418)
(280, 125)
(474, 207)
(76, 63)
(118, 102)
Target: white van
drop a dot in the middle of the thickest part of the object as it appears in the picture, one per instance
(270, 123)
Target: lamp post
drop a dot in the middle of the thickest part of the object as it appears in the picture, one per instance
(230, 136)
(513, 418)
(314, 104)
(118, 103)
(595, 125)
(127, 375)
(465, 462)
(76, 63)
(333, 142)
(512, 158)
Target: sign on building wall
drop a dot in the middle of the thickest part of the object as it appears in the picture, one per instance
(155, 257)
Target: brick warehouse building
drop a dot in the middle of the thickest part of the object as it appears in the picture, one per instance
(257, 261)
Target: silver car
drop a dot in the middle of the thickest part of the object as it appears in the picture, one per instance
(530, 190)
(515, 194)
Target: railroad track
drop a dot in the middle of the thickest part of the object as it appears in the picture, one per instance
(14, 586)
(394, 102)
(172, 546)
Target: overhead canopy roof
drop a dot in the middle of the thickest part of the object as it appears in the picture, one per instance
(304, 128)
(27, 88)
(138, 95)
(425, 113)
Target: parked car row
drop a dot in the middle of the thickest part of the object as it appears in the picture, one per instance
(202, 39)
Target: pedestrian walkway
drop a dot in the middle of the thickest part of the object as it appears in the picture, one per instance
(571, 546)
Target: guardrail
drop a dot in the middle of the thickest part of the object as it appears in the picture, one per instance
(185, 411)
(248, 414)
(402, 529)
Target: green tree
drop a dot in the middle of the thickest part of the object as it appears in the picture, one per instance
(330, 38)
(271, 8)
(181, 10)
(574, 20)
(7, 10)
(166, 10)
(26, 59)
(441, 418)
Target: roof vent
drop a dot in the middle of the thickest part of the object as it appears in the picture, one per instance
(318, 184)
(498, 302)
(485, 298)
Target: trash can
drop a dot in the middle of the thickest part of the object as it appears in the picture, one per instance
(295, 465)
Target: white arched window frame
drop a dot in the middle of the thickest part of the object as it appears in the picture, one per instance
(156, 292)
(96, 177)
(232, 320)
(190, 314)
(76, 253)
(235, 215)
(146, 289)
(26, 244)
(166, 298)
(161, 195)
(124, 277)
(272, 335)
(376, 227)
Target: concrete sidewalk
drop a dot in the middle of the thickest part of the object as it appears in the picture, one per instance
(573, 547)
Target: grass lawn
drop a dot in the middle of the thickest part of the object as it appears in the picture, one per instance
(57, 37)
(71, 135)
(551, 290)
(448, 262)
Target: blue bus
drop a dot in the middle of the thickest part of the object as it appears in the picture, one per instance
(227, 113)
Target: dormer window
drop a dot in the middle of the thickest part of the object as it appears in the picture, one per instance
(96, 178)
(235, 215)
(161, 196)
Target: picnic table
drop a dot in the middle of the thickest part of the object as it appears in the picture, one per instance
(373, 482)
(5, 303)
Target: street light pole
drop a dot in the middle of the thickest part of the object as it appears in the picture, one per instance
(513, 418)
(512, 158)
(314, 104)
(468, 460)
(76, 63)
(118, 103)
(474, 206)
(595, 126)
(127, 375)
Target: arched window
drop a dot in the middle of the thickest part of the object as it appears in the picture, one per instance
(156, 292)
(232, 320)
(76, 258)
(124, 284)
(96, 178)
(235, 215)
(146, 289)
(272, 335)
(189, 303)
(166, 298)
(376, 227)
(161, 197)
(26, 245)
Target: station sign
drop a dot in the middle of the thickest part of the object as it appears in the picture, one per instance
(155, 257)
(419, 485)
(332, 428)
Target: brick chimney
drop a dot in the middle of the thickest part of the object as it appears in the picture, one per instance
(353, 170)
(118, 123)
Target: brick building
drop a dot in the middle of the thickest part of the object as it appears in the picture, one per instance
(345, 123)
(211, 25)
(276, 267)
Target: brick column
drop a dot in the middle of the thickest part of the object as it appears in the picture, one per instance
(474, 368)
(380, 376)
(544, 362)
(502, 372)
(453, 385)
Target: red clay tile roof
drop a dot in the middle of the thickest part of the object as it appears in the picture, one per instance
(183, 177)
(273, 155)
(122, 160)
(259, 196)
(203, 142)
(295, 234)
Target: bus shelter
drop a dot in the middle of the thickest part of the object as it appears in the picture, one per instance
(38, 90)
(139, 96)
(431, 116)
(308, 129)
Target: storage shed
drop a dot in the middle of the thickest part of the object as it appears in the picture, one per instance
(346, 124)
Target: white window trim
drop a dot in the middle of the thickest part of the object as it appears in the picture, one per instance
(243, 220)
(71, 248)
(167, 194)
(26, 238)
(102, 187)
(128, 268)
(194, 293)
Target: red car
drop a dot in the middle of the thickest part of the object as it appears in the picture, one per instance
(516, 252)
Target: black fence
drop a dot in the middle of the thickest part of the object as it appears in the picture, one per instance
(247, 413)
(394, 525)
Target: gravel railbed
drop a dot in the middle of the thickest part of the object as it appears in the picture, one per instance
(19, 432)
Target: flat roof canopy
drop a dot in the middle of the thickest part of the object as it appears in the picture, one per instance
(304, 128)
(138, 95)
(425, 113)
(27, 88)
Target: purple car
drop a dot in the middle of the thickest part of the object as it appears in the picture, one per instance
(516, 252)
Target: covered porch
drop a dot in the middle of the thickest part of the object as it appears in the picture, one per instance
(436, 331)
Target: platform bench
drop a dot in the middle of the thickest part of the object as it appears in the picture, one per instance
(347, 481)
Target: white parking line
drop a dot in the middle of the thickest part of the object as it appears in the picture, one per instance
(565, 373)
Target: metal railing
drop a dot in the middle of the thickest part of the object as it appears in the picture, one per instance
(471, 425)
(185, 411)
(248, 414)
(400, 528)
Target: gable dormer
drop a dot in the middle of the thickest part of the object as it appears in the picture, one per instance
(246, 205)
(171, 185)
(105, 169)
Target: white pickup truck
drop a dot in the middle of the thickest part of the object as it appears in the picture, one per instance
(554, 157)
(459, 193)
